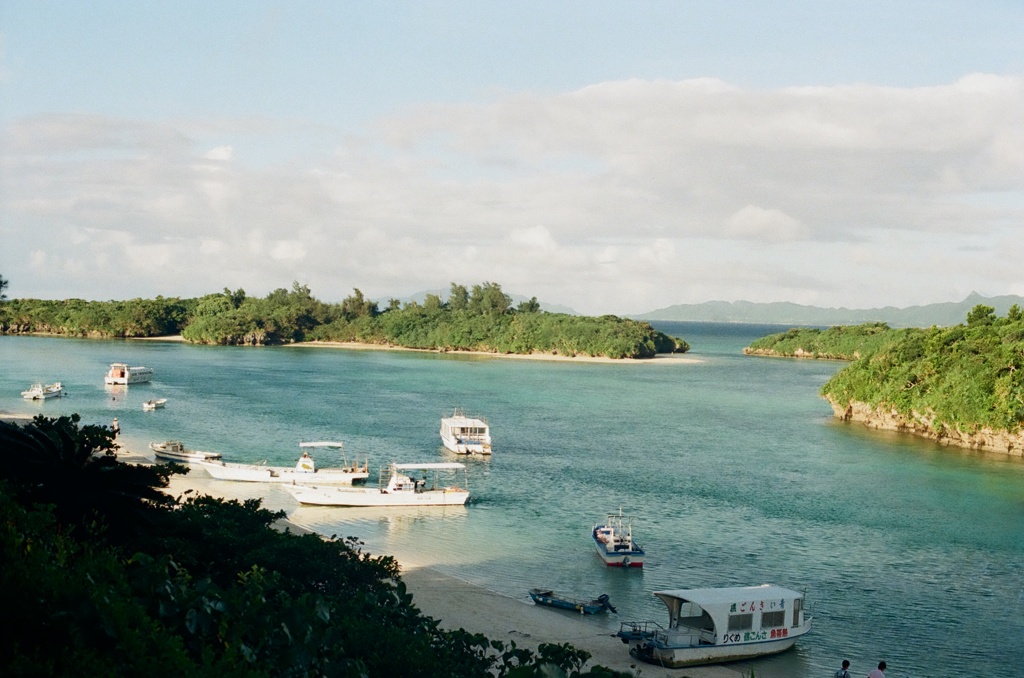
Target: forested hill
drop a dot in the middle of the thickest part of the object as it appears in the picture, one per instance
(962, 385)
(478, 319)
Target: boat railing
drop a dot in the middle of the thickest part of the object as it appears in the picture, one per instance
(636, 631)
(684, 636)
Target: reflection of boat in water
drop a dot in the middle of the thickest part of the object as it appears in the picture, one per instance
(40, 392)
(552, 599)
(465, 435)
(395, 488)
(614, 541)
(304, 471)
(151, 405)
(713, 625)
(174, 450)
(121, 373)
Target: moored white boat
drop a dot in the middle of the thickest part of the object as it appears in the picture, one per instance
(614, 542)
(395, 488)
(304, 471)
(465, 435)
(41, 392)
(714, 625)
(156, 404)
(174, 450)
(121, 373)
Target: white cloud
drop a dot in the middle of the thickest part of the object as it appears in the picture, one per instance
(641, 194)
(757, 223)
(220, 153)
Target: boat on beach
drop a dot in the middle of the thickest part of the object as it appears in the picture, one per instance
(40, 392)
(156, 404)
(465, 435)
(174, 450)
(715, 625)
(614, 542)
(395, 487)
(552, 599)
(305, 470)
(121, 373)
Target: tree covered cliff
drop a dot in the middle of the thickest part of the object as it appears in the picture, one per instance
(958, 384)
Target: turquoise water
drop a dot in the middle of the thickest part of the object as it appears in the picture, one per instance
(734, 467)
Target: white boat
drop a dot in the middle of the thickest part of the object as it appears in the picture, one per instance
(174, 450)
(121, 373)
(151, 405)
(614, 542)
(395, 488)
(465, 435)
(41, 392)
(714, 625)
(304, 472)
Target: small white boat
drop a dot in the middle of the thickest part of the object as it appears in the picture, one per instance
(174, 450)
(714, 625)
(614, 542)
(41, 392)
(465, 435)
(151, 405)
(121, 373)
(395, 488)
(304, 472)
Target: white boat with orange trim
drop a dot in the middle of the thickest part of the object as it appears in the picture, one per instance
(122, 373)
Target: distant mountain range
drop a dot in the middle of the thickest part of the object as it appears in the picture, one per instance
(785, 313)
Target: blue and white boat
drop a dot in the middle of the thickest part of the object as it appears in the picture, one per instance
(614, 542)
(552, 599)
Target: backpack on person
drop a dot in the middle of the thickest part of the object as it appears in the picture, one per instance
(841, 673)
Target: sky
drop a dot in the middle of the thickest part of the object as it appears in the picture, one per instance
(612, 157)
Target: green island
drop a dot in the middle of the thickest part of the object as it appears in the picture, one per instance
(478, 319)
(960, 385)
(102, 574)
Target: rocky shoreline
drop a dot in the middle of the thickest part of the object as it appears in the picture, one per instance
(886, 418)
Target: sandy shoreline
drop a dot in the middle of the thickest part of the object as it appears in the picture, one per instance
(460, 604)
(660, 359)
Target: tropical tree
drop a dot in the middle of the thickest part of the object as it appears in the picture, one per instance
(3, 286)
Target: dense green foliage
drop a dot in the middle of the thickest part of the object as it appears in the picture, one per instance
(841, 342)
(968, 376)
(103, 319)
(102, 574)
(481, 319)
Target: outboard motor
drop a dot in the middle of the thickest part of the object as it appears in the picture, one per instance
(603, 599)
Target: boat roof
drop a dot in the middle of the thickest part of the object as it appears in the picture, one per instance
(322, 443)
(729, 594)
(437, 465)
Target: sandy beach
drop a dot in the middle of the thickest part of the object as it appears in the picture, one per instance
(660, 359)
(460, 604)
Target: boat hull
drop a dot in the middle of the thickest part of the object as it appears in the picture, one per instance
(620, 558)
(256, 473)
(679, 657)
(312, 495)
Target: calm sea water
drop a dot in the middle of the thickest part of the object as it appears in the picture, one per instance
(734, 468)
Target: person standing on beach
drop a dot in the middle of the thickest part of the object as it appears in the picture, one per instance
(879, 672)
(844, 672)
